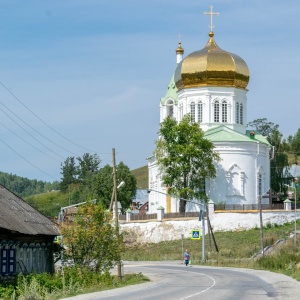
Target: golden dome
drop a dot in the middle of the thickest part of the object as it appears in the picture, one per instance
(212, 66)
(179, 49)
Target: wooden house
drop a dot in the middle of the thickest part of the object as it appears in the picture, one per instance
(26, 237)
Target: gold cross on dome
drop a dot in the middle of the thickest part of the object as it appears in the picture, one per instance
(211, 13)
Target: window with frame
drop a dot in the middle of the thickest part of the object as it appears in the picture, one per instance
(241, 114)
(202, 185)
(8, 261)
(170, 108)
(217, 112)
(224, 112)
(259, 184)
(237, 113)
(192, 108)
(200, 112)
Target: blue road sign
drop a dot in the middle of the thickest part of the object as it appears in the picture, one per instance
(195, 234)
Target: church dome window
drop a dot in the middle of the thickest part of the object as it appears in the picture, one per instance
(200, 112)
(192, 109)
(217, 112)
(224, 111)
(237, 113)
(241, 114)
(170, 108)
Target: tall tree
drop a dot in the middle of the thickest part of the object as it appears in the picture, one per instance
(263, 126)
(294, 143)
(69, 173)
(185, 158)
(103, 185)
(88, 166)
(279, 159)
(92, 238)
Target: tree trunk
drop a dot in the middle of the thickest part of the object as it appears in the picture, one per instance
(182, 205)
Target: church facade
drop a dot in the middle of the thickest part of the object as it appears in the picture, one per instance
(211, 85)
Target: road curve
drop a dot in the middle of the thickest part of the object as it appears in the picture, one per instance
(173, 280)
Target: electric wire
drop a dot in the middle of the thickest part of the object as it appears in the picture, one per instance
(50, 127)
(30, 133)
(28, 142)
(28, 160)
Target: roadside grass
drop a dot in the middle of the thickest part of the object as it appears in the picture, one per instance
(236, 249)
(73, 282)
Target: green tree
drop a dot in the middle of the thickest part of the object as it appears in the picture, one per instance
(185, 158)
(279, 159)
(69, 173)
(294, 144)
(92, 238)
(263, 126)
(103, 185)
(88, 166)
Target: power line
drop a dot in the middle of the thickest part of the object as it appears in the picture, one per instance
(29, 132)
(44, 121)
(27, 160)
(28, 142)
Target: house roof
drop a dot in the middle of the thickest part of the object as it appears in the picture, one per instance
(225, 134)
(17, 215)
(141, 196)
(292, 171)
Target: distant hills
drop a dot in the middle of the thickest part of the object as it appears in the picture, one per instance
(24, 187)
(141, 175)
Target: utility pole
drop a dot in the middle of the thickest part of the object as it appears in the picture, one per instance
(261, 225)
(116, 205)
(203, 232)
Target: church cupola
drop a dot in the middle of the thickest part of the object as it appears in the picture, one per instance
(212, 66)
(179, 53)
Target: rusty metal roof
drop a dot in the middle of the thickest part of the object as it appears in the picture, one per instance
(17, 215)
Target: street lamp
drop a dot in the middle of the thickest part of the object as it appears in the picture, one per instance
(295, 212)
(113, 194)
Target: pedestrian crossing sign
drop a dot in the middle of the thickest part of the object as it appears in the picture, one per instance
(195, 234)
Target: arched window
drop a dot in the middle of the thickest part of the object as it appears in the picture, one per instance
(241, 114)
(237, 114)
(170, 108)
(217, 112)
(224, 112)
(259, 184)
(192, 112)
(200, 112)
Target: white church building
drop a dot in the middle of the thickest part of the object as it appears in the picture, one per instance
(211, 85)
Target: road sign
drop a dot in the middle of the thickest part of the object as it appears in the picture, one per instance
(195, 234)
(296, 185)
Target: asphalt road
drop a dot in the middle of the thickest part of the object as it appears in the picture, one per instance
(173, 280)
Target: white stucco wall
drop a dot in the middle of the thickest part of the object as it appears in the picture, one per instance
(154, 232)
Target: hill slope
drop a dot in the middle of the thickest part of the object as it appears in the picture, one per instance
(141, 175)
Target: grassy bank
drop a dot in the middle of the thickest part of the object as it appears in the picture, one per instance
(236, 249)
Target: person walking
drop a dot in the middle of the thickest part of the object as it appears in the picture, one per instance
(186, 257)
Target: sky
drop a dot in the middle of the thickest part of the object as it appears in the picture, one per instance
(86, 76)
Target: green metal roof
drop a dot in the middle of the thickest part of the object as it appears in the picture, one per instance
(225, 134)
(171, 92)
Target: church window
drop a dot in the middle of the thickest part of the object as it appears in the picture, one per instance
(259, 184)
(200, 112)
(217, 112)
(192, 112)
(202, 184)
(170, 108)
(224, 112)
(237, 114)
(241, 114)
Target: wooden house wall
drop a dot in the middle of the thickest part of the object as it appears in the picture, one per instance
(28, 254)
